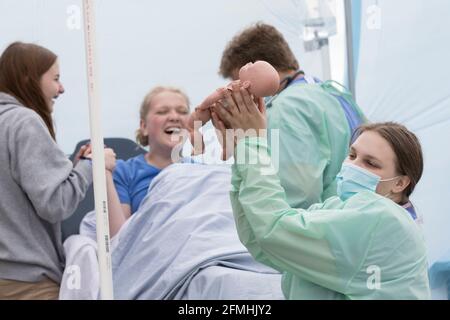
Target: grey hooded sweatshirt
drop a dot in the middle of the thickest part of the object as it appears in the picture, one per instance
(39, 187)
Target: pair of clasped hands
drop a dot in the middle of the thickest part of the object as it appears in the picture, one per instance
(85, 152)
(236, 107)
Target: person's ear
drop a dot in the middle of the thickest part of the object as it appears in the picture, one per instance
(402, 183)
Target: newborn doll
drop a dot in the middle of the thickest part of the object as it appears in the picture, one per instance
(263, 81)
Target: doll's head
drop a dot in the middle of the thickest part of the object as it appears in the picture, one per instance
(264, 79)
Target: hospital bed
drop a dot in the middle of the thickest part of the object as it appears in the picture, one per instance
(182, 243)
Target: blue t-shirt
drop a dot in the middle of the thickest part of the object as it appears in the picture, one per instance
(132, 179)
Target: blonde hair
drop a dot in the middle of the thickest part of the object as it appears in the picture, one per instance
(146, 104)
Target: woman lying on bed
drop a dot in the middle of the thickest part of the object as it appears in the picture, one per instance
(163, 116)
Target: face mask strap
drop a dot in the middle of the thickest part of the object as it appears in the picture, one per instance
(391, 179)
(387, 180)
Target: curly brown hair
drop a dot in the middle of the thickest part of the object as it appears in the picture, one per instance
(257, 42)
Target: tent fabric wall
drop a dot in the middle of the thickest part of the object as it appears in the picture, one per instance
(140, 44)
(402, 76)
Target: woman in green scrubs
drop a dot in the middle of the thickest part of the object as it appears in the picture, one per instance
(361, 244)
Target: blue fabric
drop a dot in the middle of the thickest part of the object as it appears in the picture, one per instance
(353, 119)
(439, 274)
(412, 211)
(183, 244)
(303, 80)
(132, 178)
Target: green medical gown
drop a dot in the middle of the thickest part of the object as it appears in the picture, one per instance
(314, 139)
(367, 247)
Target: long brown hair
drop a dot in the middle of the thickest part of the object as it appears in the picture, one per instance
(21, 68)
(406, 147)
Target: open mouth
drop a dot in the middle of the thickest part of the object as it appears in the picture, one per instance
(54, 99)
(172, 130)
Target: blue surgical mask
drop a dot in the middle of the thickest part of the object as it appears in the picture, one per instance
(353, 179)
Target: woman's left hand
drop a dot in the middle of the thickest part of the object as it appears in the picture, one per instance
(238, 110)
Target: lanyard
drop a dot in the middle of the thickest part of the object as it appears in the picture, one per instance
(290, 79)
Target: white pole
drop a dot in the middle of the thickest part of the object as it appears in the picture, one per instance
(101, 203)
(326, 64)
(325, 48)
(350, 44)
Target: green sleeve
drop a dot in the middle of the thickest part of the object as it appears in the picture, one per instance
(309, 244)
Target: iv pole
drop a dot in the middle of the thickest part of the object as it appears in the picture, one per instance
(98, 159)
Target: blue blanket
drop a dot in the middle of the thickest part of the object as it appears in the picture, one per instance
(182, 243)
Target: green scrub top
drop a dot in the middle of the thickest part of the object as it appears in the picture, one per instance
(367, 247)
(313, 141)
